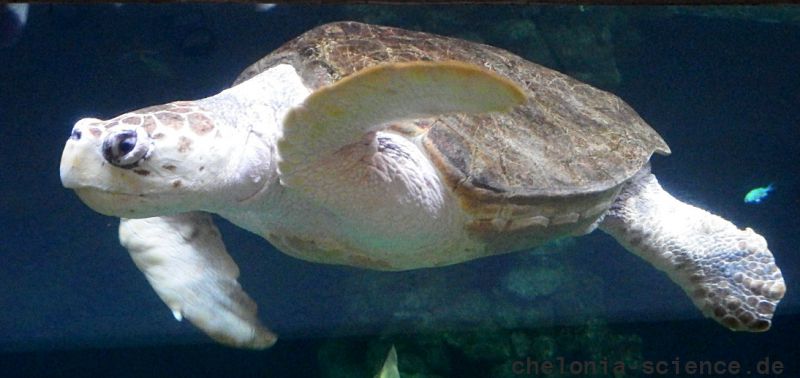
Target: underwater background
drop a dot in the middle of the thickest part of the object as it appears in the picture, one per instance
(720, 84)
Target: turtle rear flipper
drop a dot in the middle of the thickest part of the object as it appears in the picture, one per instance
(729, 273)
(185, 261)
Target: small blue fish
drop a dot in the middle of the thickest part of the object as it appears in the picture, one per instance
(757, 194)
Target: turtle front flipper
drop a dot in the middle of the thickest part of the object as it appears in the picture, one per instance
(729, 273)
(185, 261)
(340, 114)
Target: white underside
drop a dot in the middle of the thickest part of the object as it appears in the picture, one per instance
(396, 209)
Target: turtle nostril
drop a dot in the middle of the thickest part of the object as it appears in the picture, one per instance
(76, 134)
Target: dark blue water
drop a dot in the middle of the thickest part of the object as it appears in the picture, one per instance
(723, 91)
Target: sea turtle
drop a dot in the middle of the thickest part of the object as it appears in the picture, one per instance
(389, 149)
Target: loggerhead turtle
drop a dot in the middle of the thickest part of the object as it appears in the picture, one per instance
(389, 149)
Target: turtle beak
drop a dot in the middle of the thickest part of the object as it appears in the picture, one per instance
(80, 155)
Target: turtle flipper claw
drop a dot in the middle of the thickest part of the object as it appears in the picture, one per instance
(185, 261)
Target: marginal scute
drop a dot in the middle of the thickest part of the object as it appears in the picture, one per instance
(565, 218)
(537, 220)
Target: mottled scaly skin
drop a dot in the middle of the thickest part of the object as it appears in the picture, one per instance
(729, 273)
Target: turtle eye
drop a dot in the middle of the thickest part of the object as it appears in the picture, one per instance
(125, 148)
(126, 143)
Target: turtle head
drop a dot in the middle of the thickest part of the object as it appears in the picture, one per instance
(161, 160)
